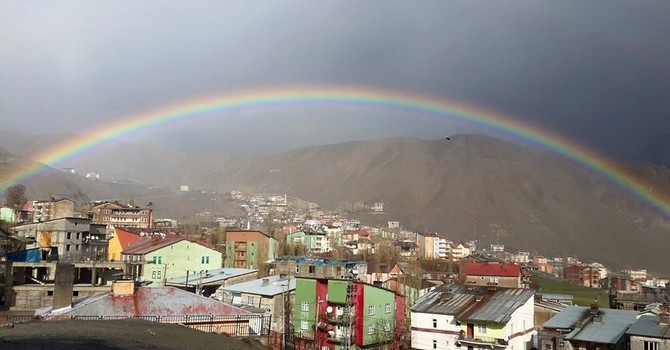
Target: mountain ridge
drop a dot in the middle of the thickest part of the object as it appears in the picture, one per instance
(469, 186)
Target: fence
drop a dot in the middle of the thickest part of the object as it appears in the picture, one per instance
(233, 325)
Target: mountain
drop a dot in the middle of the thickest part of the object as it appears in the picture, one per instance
(469, 187)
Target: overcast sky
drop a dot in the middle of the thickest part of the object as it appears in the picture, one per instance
(597, 72)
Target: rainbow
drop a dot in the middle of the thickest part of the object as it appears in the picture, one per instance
(318, 95)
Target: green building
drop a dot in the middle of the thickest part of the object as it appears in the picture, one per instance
(335, 314)
(316, 242)
(158, 259)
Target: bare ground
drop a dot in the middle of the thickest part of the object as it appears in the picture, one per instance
(108, 335)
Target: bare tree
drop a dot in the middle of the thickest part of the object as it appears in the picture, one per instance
(15, 196)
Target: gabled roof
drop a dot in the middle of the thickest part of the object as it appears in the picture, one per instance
(475, 303)
(609, 331)
(491, 269)
(151, 301)
(126, 238)
(648, 326)
(151, 244)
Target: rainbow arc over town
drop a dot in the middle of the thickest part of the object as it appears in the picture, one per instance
(342, 95)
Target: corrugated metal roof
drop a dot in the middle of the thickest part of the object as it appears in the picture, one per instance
(156, 301)
(212, 277)
(498, 305)
(456, 299)
(609, 331)
(275, 286)
(648, 326)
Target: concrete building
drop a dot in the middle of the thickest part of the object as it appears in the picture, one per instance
(160, 258)
(454, 316)
(315, 242)
(492, 274)
(330, 313)
(31, 284)
(52, 209)
(583, 275)
(249, 249)
(117, 214)
(71, 239)
(320, 268)
(274, 294)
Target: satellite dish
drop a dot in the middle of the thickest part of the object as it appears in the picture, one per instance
(329, 309)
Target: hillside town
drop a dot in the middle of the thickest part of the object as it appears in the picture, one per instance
(295, 276)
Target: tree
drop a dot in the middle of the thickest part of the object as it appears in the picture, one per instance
(15, 196)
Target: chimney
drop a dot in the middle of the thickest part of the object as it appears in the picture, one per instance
(63, 286)
(664, 315)
(266, 282)
(123, 287)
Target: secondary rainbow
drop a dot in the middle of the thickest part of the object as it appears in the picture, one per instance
(319, 95)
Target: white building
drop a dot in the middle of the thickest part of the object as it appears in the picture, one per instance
(455, 316)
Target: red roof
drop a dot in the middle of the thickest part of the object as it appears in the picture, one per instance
(149, 244)
(153, 301)
(491, 269)
(126, 238)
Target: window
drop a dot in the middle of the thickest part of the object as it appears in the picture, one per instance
(434, 344)
(69, 235)
(435, 323)
(160, 259)
(304, 306)
(250, 300)
(387, 326)
(482, 328)
(304, 324)
(154, 259)
(67, 248)
(158, 275)
(387, 308)
(650, 345)
(153, 275)
(371, 329)
(371, 310)
(78, 235)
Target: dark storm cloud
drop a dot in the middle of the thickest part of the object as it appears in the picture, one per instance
(596, 72)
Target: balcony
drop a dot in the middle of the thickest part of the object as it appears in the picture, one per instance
(339, 319)
(494, 343)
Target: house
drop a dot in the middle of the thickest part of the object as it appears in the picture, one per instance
(68, 238)
(315, 242)
(117, 214)
(52, 209)
(274, 294)
(338, 313)
(249, 249)
(650, 332)
(589, 328)
(407, 249)
(163, 257)
(456, 316)
(208, 282)
(492, 273)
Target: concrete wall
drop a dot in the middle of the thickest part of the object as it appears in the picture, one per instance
(637, 342)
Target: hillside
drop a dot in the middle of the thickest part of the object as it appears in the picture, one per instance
(469, 187)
